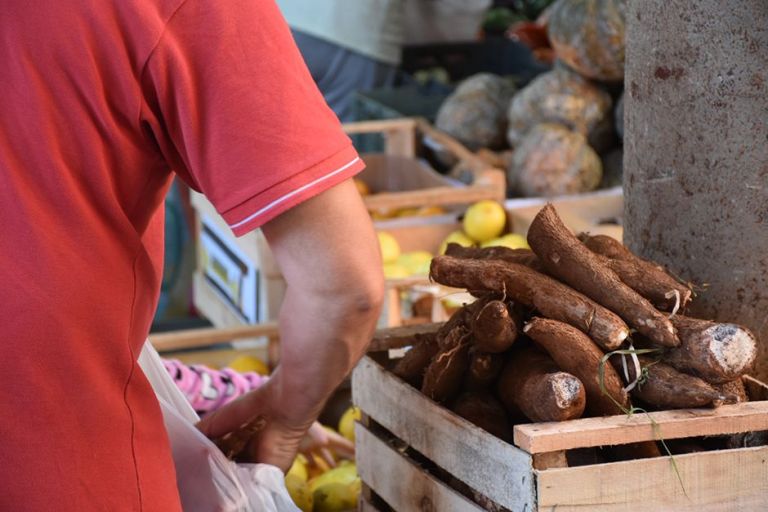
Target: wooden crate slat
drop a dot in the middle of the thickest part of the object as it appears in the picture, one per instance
(613, 430)
(489, 465)
(715, 481)
(437, 196)
(194, 338)
(400, 482)
(397, 337)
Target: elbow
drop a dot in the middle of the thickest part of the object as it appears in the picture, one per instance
(366, 297)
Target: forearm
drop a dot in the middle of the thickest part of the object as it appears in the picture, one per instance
(323, 334)
(333, 300)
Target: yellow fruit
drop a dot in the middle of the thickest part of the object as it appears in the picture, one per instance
(383, 214)
(300, 493)
(299, 469)
(427, 211)
(511, 240)
(245, 364)
(362, 187)
(484, 220)
(456, 237)
(415, 262)
(407, 212)
(344, 475)
(395, 271)
(318, 469)
(347, 422)
(390, 249)
(334, 497)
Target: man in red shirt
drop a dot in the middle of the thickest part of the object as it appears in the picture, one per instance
(101, 102)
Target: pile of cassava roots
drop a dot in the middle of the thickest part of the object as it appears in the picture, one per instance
(577, 326)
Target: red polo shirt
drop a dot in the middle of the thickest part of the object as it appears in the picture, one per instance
(100, 102)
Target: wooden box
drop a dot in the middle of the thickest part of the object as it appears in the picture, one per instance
(413, 454)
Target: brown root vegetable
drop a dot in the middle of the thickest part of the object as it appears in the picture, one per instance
(445, 373)
(632, 451)
(486, 412)
(717, 353)
(520, 256)
(564, 256)
(666, 388)
(484, 369)
(414, 363)
(576, 353)
(533, 289)
(532, 383)
(493, 327)
(646, 278)
(735, 389)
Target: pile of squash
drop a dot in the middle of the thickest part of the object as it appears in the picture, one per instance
(561, 133)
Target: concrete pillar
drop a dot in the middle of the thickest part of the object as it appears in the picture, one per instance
(696, 151)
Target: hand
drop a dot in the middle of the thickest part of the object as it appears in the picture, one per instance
(280, 439)
(322, 442)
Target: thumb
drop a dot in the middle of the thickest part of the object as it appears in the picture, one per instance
(233, 415)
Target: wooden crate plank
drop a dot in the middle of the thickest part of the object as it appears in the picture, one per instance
(487, 464)
(204, 337)
(400, 482)
(613, 430)
(398, 337)
(716, 481)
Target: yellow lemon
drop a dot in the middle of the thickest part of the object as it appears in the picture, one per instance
(334, 497)
(390, 249)
(344, 475)
(395, 271)
(299, 492)
(511, 240)
(427, 211)
(456, 237)
(245, 364)
(415, 262)
(484, 220)
(407, 212)
(299, 469)
(347, 422)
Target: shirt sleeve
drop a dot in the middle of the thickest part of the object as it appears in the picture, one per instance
(236, 114)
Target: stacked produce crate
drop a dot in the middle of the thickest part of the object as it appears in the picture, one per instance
(577, 327)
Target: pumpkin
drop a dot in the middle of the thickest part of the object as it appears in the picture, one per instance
(563, 97)
(475, 113)
(552, 160)
(588, 35)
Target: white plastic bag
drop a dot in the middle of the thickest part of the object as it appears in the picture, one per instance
(207, 480)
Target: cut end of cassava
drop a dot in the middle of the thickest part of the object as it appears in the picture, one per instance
(732, 347)
(566, 389)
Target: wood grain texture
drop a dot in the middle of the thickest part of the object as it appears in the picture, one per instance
(400, 482)
(718, 481)
(613, 430)
(485, 463)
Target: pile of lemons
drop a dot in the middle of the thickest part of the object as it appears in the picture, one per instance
(483, 225)
(319, 488)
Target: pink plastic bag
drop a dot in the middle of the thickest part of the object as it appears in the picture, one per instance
(207, 480)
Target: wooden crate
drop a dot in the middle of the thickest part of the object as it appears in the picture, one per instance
(237, 280)
(409, 449)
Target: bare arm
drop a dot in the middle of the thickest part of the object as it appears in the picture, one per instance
(329, 256)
